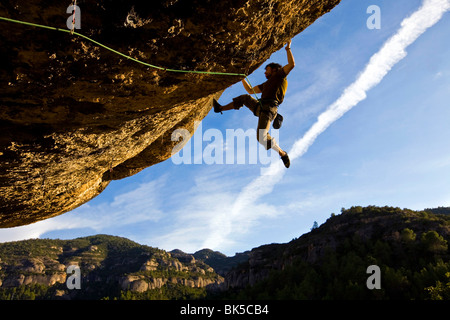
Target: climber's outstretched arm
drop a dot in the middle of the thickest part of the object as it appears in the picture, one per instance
(291, 62)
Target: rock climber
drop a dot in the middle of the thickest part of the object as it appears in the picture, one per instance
(266, 108)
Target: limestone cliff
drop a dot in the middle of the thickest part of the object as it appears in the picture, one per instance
(75, 116)
(332, 258)
(107, 265)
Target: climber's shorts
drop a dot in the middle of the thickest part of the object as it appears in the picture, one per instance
(258, 107)
(265, 111)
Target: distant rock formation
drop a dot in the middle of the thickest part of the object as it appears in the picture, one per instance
(386, 236)
(105, 262)
(75, 116)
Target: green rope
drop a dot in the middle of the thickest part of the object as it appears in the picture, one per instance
(126, 56)
(119, 53)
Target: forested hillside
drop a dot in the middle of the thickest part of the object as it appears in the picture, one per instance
(330, 262)
(109, 267)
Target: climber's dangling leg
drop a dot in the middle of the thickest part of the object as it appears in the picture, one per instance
(265, 117)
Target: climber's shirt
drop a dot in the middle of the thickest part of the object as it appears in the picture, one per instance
(275, 87)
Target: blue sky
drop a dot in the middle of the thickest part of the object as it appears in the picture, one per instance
(390, 148)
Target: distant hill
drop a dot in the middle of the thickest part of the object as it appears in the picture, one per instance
(439, 210)
(330, 262)
(220, 262)
(110, 268)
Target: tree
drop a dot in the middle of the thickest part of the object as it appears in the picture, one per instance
(434, 242)
(441, 291)
(315, 225)
(408, 235)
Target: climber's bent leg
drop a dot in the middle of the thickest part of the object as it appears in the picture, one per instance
(238, 103)
(248, 101)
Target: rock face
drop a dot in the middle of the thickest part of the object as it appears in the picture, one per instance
(75, 116)
(107, 265)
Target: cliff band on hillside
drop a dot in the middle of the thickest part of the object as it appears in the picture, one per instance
(108, 266)
(75, 116)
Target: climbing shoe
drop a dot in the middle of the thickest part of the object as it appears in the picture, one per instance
(217, 106)
(286, 160)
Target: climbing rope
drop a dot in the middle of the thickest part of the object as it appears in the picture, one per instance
(126, 56)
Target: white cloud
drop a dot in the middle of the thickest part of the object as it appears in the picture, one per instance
(203, 214)
(138, 205)
(438, 75)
